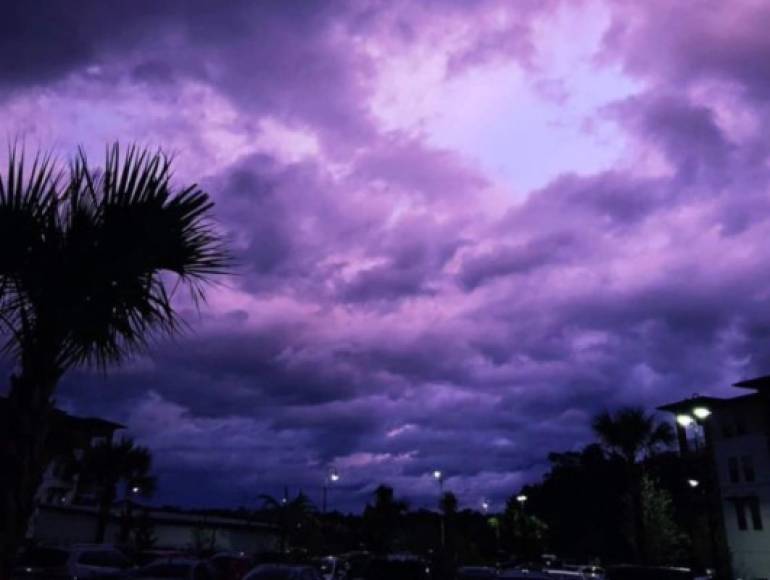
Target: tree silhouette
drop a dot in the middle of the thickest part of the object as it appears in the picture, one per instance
(106, 466)
(382, 517)
(290, 515)
(448, 503)
(632, 434)
(86, 256)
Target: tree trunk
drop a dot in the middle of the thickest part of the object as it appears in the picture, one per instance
(637, 513)
(23, 456)
(105, 505)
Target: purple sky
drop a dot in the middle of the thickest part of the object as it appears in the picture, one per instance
(464, 226)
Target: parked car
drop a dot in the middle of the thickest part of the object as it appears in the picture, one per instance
(283, 572)
(592, 572)
(476, 573)
(564, 574)
(523, 574)
(402, 567)
(652, 573)
(231, 566)
(330, 567)
(176, 568)
(71, 563)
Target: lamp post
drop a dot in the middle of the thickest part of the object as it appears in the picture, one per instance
(438, 475)
(332, 476)
(522, 500)
(696, 416)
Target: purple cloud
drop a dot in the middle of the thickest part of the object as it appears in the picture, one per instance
(401, 304)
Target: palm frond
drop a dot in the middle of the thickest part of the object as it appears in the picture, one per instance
(86, 260)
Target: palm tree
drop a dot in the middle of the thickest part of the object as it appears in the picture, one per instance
(382, 517)
(86, 256)
(448, 504)
(288, 514)
(107, 466)
(633, 435)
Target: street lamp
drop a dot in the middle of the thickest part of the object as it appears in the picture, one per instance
(684, 420)
(136, 489)
(693, 483)
(521, 498)
(701, 412)
(332, 476)
(438, 475)
(484, 506)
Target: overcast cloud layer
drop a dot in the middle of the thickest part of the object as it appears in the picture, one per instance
(463, 227)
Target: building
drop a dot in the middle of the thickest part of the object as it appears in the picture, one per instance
(170, 529)
(66, 510)
(69, 437)
(725, 449)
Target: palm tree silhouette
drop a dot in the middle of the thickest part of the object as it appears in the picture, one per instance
(288, 514)
(448, 504)
(106, 467)
(383, 515)
(86, 258)
(633, 435)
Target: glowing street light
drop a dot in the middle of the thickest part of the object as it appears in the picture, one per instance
(484, 506)
(521, 499)
(701, 412)
(693, 483)
(684, 420)
(332, 476)
(437, 474)
(136, 489)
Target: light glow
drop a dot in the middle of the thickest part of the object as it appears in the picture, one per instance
(701, 412)
(684, 420)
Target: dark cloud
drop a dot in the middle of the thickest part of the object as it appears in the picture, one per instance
(395, 308)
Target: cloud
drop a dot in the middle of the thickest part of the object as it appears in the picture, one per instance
(398, 306)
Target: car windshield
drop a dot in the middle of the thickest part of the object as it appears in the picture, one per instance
(44, 558)
(104, 559)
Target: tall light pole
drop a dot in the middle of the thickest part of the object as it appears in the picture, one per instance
(439, 477)
(522, 499)
(696, 417)
(332, 476)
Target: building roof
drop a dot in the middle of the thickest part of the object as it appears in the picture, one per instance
(173, 517)
(758, 383)
(92, 425)
(688, 404)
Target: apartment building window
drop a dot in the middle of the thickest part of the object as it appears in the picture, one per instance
(747, 506)
(748, 468)
(756, 514)
(732, 469)
(740, 514)
(741, 427)
(734, 424)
